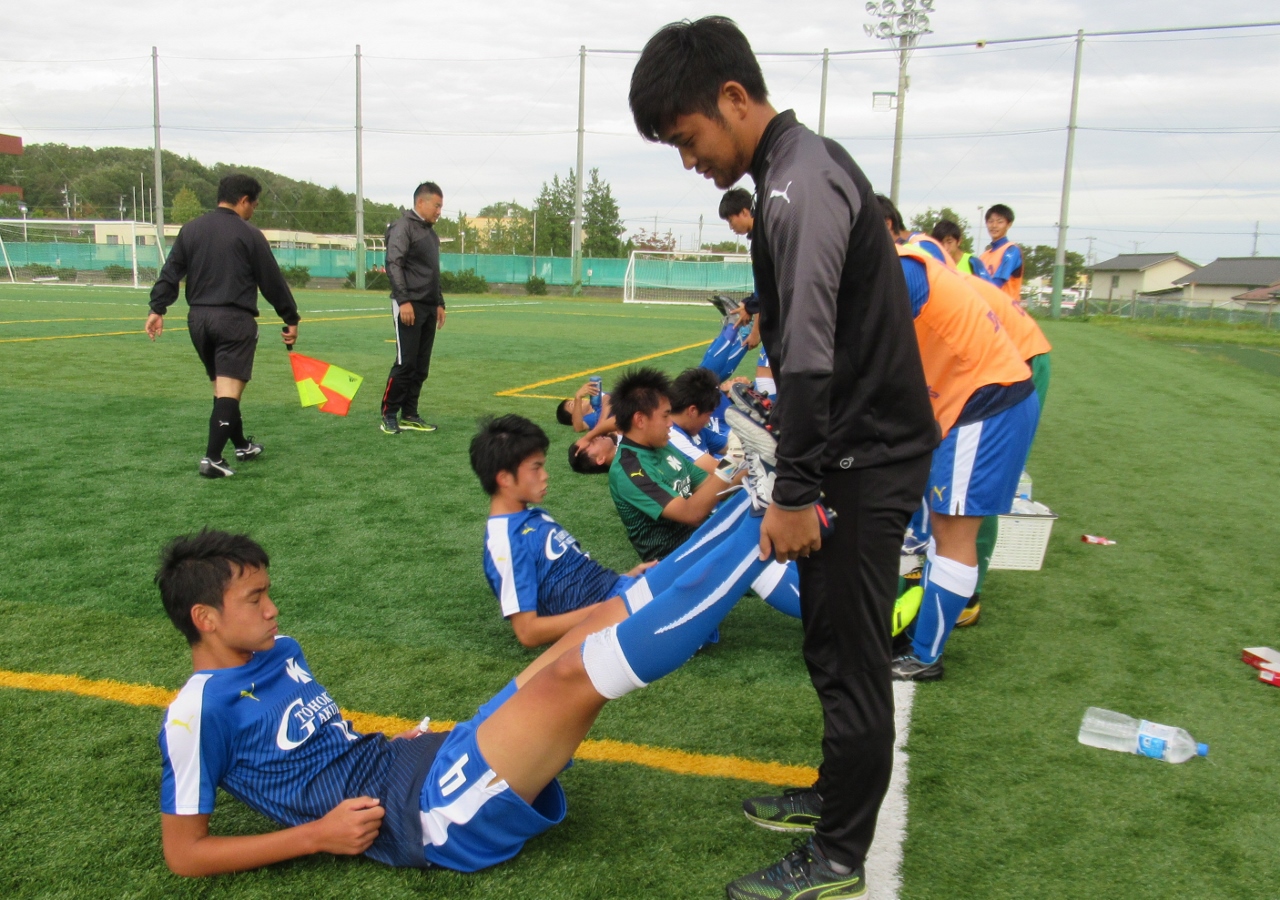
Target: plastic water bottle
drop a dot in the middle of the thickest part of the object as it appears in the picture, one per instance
(1116, 731)
(595, 398)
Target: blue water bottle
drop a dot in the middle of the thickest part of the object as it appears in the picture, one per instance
(599, 394)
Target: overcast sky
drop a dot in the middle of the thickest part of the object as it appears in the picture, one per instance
(273, 84)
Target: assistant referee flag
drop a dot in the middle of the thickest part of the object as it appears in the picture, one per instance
(324, 385)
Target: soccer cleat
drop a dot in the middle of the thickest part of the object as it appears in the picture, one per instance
(415, 423)
(905, 609)
(215, 468)
(725, 304)
(753, 435)
(909, 667)
(969, 615)
(803, 874)
(752, 403)
(389, 424)
(759, 482)
(795, 809)
(252, 451)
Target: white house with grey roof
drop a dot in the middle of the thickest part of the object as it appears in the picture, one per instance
(1220, 282)
(1129, 274)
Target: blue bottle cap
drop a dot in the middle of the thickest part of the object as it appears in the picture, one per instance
(1202, 749)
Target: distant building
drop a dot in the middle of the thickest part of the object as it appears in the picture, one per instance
(120, 232)
(1224, 280)
(1129, 274)
(10, 145)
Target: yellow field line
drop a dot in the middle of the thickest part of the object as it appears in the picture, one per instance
(45, 321)
(680, 762)
(515, 392)
(67, 337)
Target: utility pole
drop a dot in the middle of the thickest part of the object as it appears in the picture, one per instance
(1256, 227)
(155, 106)
(822, 103)
(134, 191)
(1088, 257)
(1060, 256)
(905, 25)
(535, 242)
(360, 249)
(700, 233)
(576, 276)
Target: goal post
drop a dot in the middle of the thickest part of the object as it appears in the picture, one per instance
(74, 251)
(682, 277)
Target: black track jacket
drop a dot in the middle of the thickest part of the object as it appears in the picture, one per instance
(834, 316)
(225, 261)
(413, 261)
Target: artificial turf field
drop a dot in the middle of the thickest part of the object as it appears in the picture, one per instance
(376, 548)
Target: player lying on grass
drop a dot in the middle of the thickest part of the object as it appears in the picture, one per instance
(254, 721)
(581, 410)
(543, 580)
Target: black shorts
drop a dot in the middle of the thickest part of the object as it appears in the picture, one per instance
(225, 340)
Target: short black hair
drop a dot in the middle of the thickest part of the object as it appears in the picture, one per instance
(734, 201)
(1000, 210)
(237, 185)
(427, 187)
(682, 68)
(196, 569)
(696, 387)
(638, 391)
(945, 228)
(501, 445)
(563, 414)
(890, 212)
(583, 464)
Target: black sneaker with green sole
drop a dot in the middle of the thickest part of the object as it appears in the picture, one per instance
(803, 874)
(796, 809)
(415, 423)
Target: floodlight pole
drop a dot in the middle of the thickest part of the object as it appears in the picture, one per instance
(360, 248)
(822, 103)
(576, 275)
(1060, 256)
(155, 113)
(904, 51)
(535, 243)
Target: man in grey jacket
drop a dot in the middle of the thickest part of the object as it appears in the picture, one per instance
(852, 420)
(417, 306)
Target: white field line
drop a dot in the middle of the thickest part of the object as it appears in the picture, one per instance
(884, 862)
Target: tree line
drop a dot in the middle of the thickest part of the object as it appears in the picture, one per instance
(60, 181)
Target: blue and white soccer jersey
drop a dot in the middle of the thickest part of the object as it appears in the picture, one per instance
(534, 565)
(716, 435)
(691, 446)
(470, 818)
(975, 469)
(270, 735)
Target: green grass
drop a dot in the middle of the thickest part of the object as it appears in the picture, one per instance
(376, 564)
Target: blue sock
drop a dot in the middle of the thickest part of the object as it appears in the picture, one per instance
(948, 585)
(779, 586)
(663, 635)
(725, 352)
(703, 541)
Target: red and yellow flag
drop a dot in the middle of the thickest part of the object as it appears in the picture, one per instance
(324, 385)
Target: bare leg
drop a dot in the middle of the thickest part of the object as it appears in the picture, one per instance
(534, 734)
(228, 387)
(609, 612)
(956, 537)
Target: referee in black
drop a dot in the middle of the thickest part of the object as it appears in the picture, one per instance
(417, 306)
(225, 262)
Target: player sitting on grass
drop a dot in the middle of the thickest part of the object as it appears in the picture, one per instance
(695, 398)
(542, 578)
(538, 572)
(254, 721)
(661, 496)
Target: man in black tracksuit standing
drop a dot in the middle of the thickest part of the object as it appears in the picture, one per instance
(417, 306)
(852, 420)
(225, 262)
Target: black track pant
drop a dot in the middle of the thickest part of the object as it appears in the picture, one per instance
(847, 590)
(413, 360)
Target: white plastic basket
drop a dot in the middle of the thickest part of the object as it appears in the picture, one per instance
(1024, 536)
